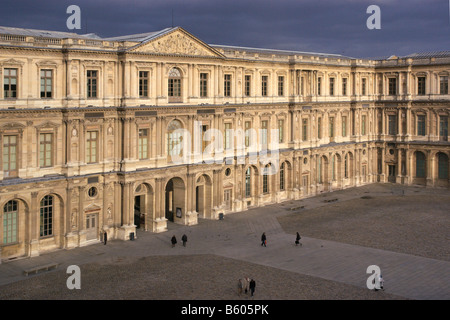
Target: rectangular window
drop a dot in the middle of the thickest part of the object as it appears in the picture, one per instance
(92, 84)
(264, 127)
(203, 85)
(363, 125)
(91, 146)
(264, 81)
(45, 150)
(280, 130)
(143, 144)
(174, 89)
(392, 125)
(443, 128)
(280, 86)
(248, 183)
(247, 86)
(227, 136)
(344, 86)
(344, 126)
(319, 86)
(443, 85)
(392, 86)
(143, 84)
(266, 179)
(331, 129)
(421, 86)
(302, 86)
(363, 86)
(305, 129)
(421, 125)
(248, 126)
(319, 128)
(331, 86)
(46, 83)
(10, 83)
(10, 153)
(227, 85)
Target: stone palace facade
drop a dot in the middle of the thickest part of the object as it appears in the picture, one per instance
(128, 134)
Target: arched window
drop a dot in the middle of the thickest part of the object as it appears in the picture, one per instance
(346, 166)
(266, 172)
(333, 168)
(174, 138)
(10, 211)
(320, 170)
(248, 181)
(46, 216)
(282, 181)
(442, 166)
(420, 165)
(174, 85)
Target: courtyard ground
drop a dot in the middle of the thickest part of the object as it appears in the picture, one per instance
(404, 230)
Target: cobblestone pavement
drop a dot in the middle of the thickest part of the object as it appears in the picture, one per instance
(338, 246)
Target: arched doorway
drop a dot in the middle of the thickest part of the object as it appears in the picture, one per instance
(203, 196)
(175, 199)
(143, 206)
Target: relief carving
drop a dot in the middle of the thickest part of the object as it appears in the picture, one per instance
(176, 44)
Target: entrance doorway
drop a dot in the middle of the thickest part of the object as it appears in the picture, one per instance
(391, 177)
(91, 226)
(175, 199)
(139, 206)
(203, 198)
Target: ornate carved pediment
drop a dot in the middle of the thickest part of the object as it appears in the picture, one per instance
(178, 42)
(11, 61)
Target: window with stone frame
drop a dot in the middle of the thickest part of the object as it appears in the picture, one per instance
(10, 155)
(443, 85)
(144, 81)
(92, 147)
(264, 85)
(45, 150)
(10, 83)
(46, 83)
(227, 85)
(421, 125)
(92, 83)
(280, 86)
(46, 216)
(143, 143)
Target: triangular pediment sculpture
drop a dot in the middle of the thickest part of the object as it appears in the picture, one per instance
(176, 42)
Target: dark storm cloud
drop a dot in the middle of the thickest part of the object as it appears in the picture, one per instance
(407, 26)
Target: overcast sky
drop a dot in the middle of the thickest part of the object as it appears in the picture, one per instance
(329, 26)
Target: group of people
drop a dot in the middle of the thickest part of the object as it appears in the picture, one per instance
(264, 240)
(183, 239)
(245, 285)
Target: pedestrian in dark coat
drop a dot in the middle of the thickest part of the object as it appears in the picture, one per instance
(252, 286)
(174, 241)
(263, 239)
(297, 239)
(184, 239)
(105, 237)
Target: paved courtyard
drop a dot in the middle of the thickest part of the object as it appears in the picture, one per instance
(403, 230)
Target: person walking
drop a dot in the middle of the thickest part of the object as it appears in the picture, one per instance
(252, 286)
(184, 239)
(174, 241)
(263, 239)
(105, 237)
(297, 239)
